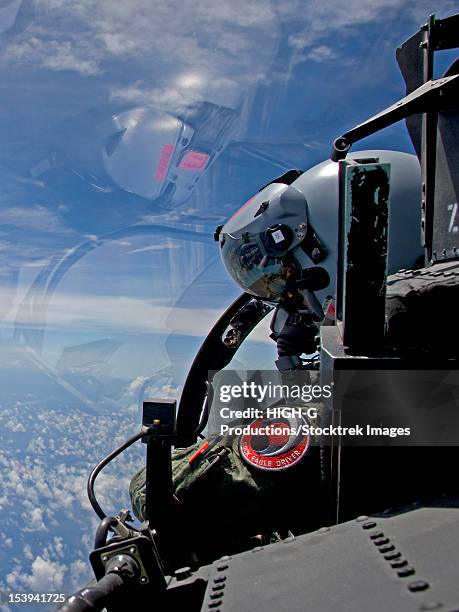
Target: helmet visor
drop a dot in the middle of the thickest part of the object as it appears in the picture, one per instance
(255, 272)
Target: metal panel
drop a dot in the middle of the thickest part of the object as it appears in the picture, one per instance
(412, 565)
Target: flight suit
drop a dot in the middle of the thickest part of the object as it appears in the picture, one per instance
(228, 494)
(225, 504)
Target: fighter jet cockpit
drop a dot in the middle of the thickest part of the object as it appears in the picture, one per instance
(204, 205)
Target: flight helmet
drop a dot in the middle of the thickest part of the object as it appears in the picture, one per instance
(291, 226)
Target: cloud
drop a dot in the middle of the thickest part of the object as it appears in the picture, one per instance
(320, 53)
(80, 573)
(15, 426)
(136, 384)
(93, 312)
(46, 575)
(51, 489)
(107, 312)
(36, 218)
(171, 53)
(327, 18)
(28, 552)
(229, 45)
(320, 29)
(180, 51)
(55, 55)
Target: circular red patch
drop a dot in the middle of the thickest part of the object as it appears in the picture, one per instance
(280, 434)
(274, 445)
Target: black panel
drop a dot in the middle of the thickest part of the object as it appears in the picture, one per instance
(410, 59)
(445, 33)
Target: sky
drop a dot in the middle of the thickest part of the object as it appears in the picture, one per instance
(128, 132)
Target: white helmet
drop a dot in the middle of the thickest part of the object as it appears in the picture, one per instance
(288, 228)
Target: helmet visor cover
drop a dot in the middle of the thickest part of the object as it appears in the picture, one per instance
(255, 272)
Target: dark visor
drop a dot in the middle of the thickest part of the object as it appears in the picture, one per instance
(254, 271)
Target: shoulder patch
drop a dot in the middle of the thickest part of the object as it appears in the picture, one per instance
(274, 444)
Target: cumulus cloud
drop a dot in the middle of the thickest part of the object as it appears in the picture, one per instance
(80, 573)
(34, 520)
(137, 383)
(50, 491)
(46, 575)
(28, 552)
(14, 425)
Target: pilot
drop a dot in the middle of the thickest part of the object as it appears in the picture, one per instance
(281, 246)
(233, 491)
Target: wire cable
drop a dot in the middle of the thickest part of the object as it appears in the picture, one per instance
(100, 466)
